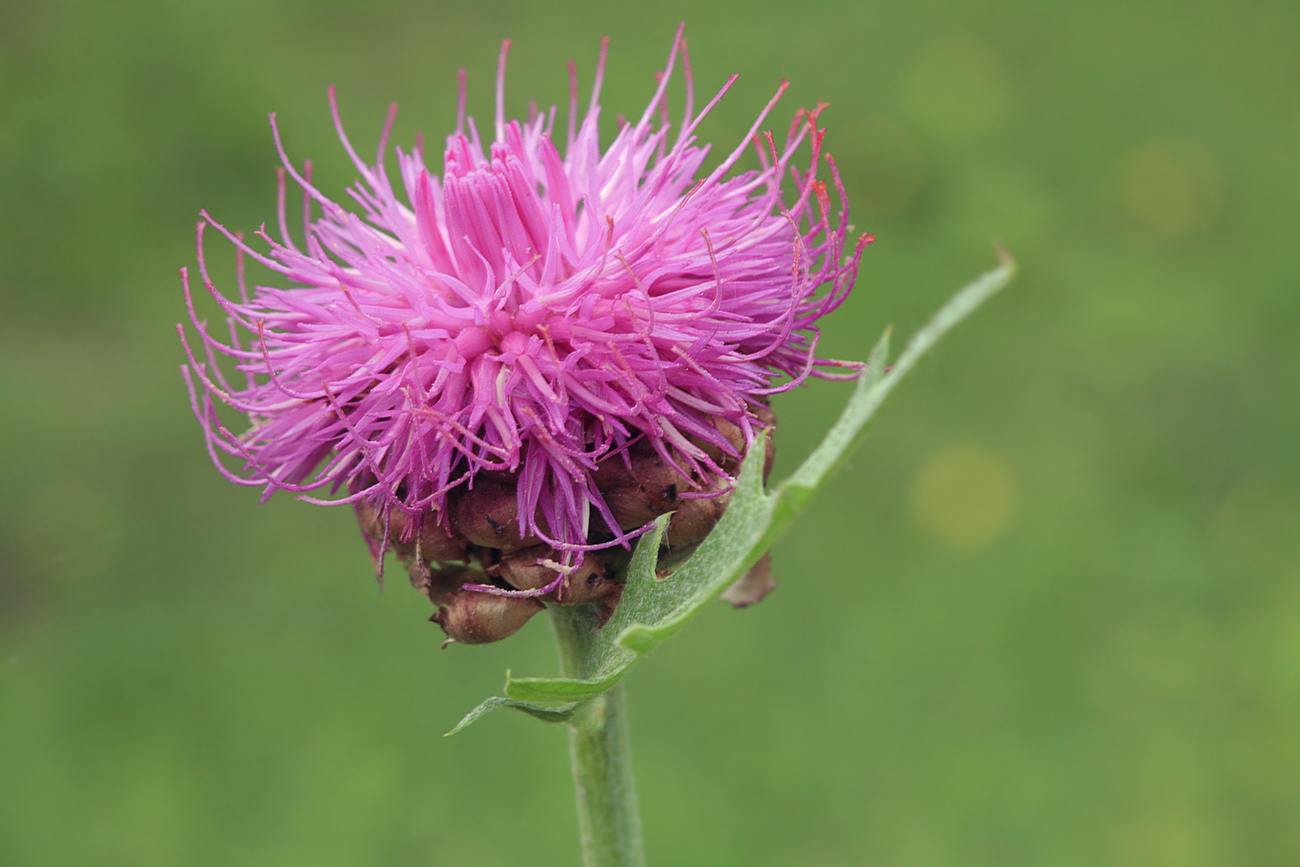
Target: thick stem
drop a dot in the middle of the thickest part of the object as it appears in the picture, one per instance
(599, 752)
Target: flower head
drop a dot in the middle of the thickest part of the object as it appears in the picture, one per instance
(518, 331)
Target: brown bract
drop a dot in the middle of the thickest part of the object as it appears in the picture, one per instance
(470, 617)
(476, 542)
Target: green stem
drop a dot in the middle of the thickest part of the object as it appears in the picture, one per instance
(608, 818)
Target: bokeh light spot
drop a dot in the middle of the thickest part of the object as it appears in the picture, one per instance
(964, 497)
(957, 86)
(1169, 837)
(1170, 188)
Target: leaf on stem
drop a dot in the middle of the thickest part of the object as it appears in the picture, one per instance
(651, 609)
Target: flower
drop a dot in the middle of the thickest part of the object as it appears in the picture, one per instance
(501, 357)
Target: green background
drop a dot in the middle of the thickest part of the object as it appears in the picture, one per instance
(1049, 615)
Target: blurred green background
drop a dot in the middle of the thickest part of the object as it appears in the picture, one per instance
(1050, 615)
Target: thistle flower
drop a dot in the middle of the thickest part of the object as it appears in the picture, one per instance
(510, 369)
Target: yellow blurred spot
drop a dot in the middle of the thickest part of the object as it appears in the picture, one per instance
(964, 497)
(1170, 188)
(1169, 838)
(957, 86)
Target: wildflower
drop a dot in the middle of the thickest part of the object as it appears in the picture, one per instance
(510, 369)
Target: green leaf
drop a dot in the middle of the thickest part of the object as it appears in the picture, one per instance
(549, 714)
(652, 609)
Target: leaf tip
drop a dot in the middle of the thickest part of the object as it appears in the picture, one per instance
(1008, 261)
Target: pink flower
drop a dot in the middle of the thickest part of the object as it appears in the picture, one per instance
(529, 315)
